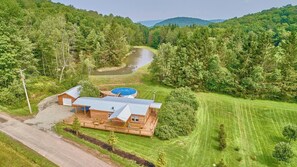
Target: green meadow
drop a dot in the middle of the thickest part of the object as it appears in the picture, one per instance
(253, 127)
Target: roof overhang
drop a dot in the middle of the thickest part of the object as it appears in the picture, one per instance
(156, 105)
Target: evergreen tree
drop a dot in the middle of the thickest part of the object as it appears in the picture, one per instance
(161, 161)
(76, 125)
(112, 140)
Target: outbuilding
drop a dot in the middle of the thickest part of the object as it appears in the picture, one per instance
(68, 97)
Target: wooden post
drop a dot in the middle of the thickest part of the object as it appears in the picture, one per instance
(85, 110)
(154, 95)
(24, 85)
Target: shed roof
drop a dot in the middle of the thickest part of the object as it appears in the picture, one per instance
(73, 92)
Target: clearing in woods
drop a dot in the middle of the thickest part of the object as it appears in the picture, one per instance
(253, 127)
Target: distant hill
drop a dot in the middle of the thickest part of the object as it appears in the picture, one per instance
(184, 21)
(275, 19)
(150, 23)
(217, 20)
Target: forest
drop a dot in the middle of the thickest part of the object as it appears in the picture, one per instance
(253, 57)
(59, 42)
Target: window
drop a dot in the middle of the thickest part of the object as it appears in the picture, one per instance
(135, 118)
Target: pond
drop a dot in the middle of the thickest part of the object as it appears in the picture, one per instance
(137, 59)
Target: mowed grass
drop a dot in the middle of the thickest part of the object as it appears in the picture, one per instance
(14, 154)
(253, 127)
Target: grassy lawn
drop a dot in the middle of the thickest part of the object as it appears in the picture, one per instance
(253, 126)
(14, 154)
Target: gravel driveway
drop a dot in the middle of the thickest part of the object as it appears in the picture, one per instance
(49, 114)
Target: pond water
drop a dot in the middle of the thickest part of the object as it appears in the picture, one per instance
(137, 59)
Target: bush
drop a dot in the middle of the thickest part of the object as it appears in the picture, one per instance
(222, 138)
(13, 94)
(165, 132)
(88, 89)
(183, 96)
(236, 148)
(290, 132)
(178, 115)
(176, 119)
(253, 157)
(282, 152)
(161, 161)
(221, 164)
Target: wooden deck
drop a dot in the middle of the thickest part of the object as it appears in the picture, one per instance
(146, 130)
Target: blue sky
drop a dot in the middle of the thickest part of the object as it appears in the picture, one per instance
(139, 10)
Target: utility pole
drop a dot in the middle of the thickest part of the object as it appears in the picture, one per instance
(24, 84)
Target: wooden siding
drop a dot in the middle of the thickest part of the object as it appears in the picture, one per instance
(64, 95)
(100, 116)
(146, 130)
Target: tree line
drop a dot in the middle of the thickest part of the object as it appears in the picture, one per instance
(255, 64)
(59, 42)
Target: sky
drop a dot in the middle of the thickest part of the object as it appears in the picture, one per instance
(140, 10)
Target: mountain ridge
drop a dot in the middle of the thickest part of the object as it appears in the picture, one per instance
(180, 21)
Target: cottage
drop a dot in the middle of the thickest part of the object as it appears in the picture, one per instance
(68, 97)
(135, 116)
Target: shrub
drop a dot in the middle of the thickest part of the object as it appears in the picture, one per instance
(221, 164)
(183, 96)
(165, 132)
(13, 94)
(222, 138)
(253, 157)
(176, 119)
(282, 152)
(161, 161)
(88, 89)
(290, 132)
(236, 148)
(178, 115)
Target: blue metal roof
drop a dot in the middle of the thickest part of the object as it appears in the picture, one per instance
(112, 104)
(74, 92)
(128, 100)
(123, 113)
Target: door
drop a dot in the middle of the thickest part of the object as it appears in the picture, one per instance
(67, 102)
